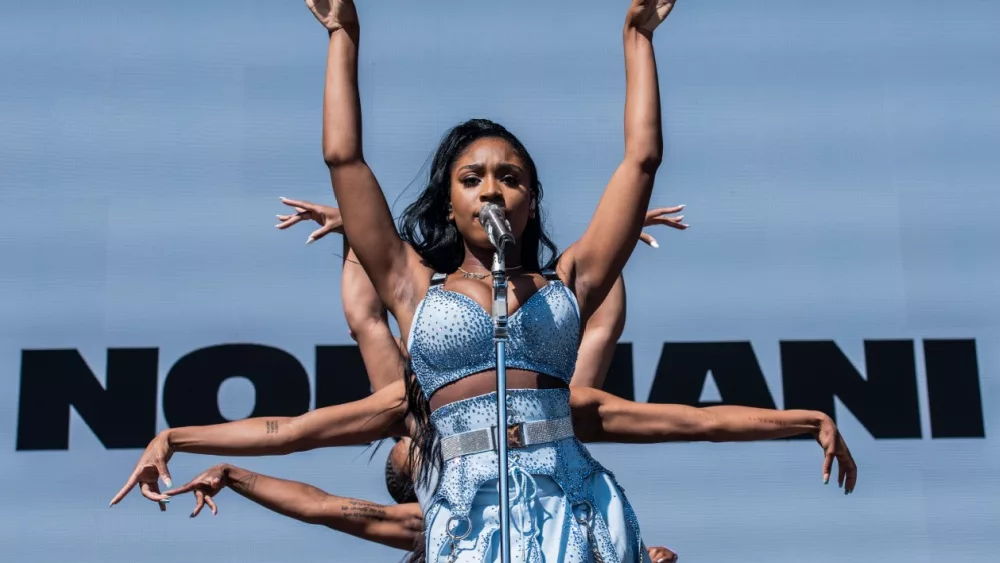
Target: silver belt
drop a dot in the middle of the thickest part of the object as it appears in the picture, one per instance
(520, 435)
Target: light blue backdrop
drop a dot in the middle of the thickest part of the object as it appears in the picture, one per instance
(838, 162)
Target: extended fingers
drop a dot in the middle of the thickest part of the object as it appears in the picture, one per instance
(199, 502)
(129, 485)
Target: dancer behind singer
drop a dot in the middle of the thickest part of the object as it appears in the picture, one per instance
(369, 326)
(557, 476)
(394, 525)
(567, 505)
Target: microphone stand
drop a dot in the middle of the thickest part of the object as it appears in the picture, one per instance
(500, 339)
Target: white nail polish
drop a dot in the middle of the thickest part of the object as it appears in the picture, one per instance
(310, 240)
(654, 244)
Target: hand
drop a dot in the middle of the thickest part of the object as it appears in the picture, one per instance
(205, 486)
(328, 217)
(657, 217)
(152, 466)
(661, 555)
(646, 15)
(834, 446)
(334, 14)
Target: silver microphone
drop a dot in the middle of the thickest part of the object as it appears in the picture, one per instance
(497, 228)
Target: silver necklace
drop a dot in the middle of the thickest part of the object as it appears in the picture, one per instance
(477, 276)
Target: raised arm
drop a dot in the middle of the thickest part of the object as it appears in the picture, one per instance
(368, 222)
(596, 260)
(377, 416)
(602, 417)
(396, 526)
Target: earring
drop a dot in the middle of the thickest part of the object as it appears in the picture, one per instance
(533, 208)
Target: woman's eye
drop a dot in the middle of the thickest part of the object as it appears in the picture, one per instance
(470, 181)
(509, 180)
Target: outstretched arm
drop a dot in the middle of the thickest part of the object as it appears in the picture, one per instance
(377, 416)
(594, 262)
(602, 417)
(396, 526)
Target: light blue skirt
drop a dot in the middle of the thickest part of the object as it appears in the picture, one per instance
(565, 507)
(551, 531)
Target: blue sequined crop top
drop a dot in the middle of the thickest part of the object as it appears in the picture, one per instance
(451, 335)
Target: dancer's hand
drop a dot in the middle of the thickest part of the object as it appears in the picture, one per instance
(152, 466)
(204, 487)
(328, 218)
(659, 217)
(834, 446)
(646, 15)
(661, 555)
(334, 14)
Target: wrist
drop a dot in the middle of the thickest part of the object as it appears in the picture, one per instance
(817, 420)
(631, 33)
(169, 437)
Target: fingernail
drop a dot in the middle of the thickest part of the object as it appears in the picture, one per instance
(654, 244)
(679, 217)
(168, 482)
(310, 240)
(682, 206)
(166, 500)
(191, 515)
(826, 479)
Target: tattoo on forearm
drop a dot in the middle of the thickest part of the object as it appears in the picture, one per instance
(272, 426)
(244, 485)
(769, 421)
(363, 510)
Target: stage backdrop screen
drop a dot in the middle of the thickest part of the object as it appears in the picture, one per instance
(839, 167)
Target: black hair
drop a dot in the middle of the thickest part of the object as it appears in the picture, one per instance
(425, 225)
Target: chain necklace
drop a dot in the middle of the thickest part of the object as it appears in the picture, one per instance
(477, 276)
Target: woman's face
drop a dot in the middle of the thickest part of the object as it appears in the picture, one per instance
(490, 170)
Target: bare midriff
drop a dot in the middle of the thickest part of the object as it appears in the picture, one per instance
(486, 382)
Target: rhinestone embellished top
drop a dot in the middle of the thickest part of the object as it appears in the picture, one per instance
(451, 336)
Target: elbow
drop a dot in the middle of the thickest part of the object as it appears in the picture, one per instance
(648, 162)
(364, 319)
(336, 157)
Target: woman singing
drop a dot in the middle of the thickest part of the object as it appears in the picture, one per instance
(565, 506)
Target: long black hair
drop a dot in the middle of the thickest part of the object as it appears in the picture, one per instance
(425, 226)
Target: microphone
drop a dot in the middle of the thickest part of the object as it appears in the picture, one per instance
(497, 228)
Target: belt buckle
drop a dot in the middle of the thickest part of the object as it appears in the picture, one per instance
(515, 435)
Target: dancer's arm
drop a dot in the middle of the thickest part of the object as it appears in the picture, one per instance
(592, 264)
(602, 417)
(390, 263)
(369, 324)
(377, 416)
(599, 339)
(365, 313)
(393, 525)
(605, 325)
